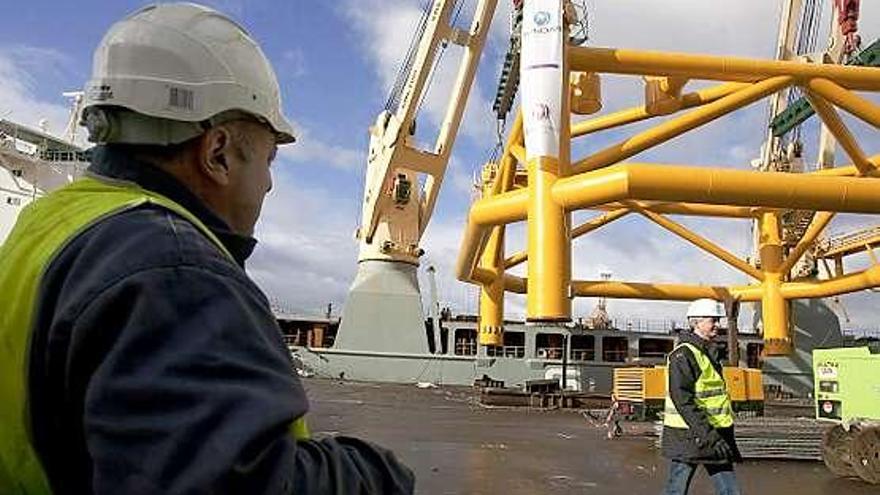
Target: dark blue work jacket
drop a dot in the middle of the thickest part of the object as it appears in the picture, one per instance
(156, 365)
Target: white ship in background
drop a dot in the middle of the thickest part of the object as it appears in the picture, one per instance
(34, 162)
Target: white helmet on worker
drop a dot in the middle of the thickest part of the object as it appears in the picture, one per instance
(167, 72)
(706, 308)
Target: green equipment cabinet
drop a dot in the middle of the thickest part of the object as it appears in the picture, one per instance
(847, 392)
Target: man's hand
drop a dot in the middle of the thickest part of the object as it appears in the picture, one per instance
(723, 450)
(715, 443)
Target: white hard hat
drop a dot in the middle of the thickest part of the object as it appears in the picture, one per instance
(707, 308)
(180, 66)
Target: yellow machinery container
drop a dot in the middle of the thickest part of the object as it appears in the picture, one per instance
(643, 390)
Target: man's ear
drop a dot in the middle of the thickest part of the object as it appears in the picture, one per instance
(215, 152)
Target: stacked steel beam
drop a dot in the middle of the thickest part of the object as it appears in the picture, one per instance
(780, 438)
(777, 438)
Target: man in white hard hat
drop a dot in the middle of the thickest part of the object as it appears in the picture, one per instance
(698, 418)
(136, 355)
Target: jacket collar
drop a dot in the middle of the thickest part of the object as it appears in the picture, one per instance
(115, 164)
(708, 347)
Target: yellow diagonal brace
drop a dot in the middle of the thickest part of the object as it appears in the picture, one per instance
(519, 153)
(847, 100)
(850, 170)
(701, 242)
(638, 114)
(820, 221)
(679, 125)
(584, 228)
(515, 259)
(841, 284)
(841, 133)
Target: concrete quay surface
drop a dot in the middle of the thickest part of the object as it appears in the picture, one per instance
(455, 446)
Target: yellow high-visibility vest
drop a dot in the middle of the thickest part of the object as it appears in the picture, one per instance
(710, 394)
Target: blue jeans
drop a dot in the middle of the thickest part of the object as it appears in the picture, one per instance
(681, 474)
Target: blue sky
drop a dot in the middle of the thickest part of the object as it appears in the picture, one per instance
(335, 61)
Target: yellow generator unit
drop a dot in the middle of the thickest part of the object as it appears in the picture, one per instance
(642, 391)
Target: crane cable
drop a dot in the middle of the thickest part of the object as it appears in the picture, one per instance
(457, 8)
(808, 36)
(403, 72)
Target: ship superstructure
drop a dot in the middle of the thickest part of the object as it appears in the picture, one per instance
(32, 163)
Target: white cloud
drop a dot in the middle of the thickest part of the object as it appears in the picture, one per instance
(307, 255)
(742, 28)
(309, 149)
(21, 71)
(293, 63)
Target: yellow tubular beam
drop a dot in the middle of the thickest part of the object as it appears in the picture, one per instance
(852, 103)
(679, 125)
(516, 133)
(600, 221)
(476, 234)
(515, 259)
(492, 294)
(850, 170)
(688, 209)
(847, 141)
(774, 308)
(717, 186)
(504, 208)
(666, 292)
(483, 276)
(514, 284)
(584, 228)
(519, 153)
(747, 293)
(492, 258)
(472, 243)
(610, 121)
(638, 114)
(702, 243)
(841, 284)
(549, 246)
(820, 221)
(691, 66)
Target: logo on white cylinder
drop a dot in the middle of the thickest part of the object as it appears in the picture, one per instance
(541, 112)
(541, 17)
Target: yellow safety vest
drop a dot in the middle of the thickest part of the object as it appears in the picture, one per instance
(710, 394)
(41, 232)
